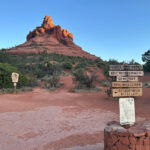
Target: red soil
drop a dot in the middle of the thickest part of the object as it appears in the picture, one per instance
(43, 120)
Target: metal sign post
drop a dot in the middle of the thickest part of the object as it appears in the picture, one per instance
(15, 77)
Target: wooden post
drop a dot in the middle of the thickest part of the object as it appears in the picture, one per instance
(15, 84)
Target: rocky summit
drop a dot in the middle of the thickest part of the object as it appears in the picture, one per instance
(51, 38)
(49, 28)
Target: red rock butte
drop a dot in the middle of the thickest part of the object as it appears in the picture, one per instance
(51, 38)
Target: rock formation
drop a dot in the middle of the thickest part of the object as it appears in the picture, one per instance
(51, 38)
(49, 28)
(117, 137)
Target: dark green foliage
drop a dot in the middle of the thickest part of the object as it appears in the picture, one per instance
(81, 65)
(147, 66)
(146, 56)
(54, 80)
(133, 62)
(82, 79)
(67, 65)
(113, 62)
(33, 82)
(103, 65)
(146, 59)
(5, 76)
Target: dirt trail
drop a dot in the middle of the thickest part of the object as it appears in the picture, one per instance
(60, 120)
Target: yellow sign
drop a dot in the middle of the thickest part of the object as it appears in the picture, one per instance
(127, 84)
(127, 92)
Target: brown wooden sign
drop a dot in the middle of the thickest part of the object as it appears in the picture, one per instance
(126, 92)
(127, 84)
(125, 67)
(119, 78)
(126, 73)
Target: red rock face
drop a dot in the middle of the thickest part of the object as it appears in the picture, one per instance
(51, 38)
(136, 137)
(49, 28)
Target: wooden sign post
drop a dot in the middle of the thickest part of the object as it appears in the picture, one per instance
(126, 87)
(15, 78)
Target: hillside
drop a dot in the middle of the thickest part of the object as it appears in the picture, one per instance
(51, 38)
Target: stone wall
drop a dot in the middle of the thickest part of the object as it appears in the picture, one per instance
(117, 137)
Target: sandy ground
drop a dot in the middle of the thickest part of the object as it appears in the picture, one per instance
(60, 120)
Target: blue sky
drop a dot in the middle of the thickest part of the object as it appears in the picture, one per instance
(118, 29)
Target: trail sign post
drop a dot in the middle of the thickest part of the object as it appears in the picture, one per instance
(126, 87)
(15, 78)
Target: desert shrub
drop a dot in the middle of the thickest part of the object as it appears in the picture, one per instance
(146, 84)
(67, 65)
(73, 90)
(6, 90)
(5, 76)
(106, 83)
(81, 66)
(54, 80)
(109, 92)
(32, 82)
(24, 89)
(82, 79)
(103, 65)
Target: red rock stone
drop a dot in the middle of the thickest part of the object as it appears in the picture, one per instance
(70, 35)
(135, 138)
(124, 140)
(65, 32)
(48, 22)
(41, 30)
(114, 138)
(121, 146)
(132, 140)
(49, 28)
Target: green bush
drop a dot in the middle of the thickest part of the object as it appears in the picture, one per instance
(83, 80)
(6, 91)
(54, 80)
(33, 82)
(81, 66)
(5, 76)
(106, 83)
(67, 65)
